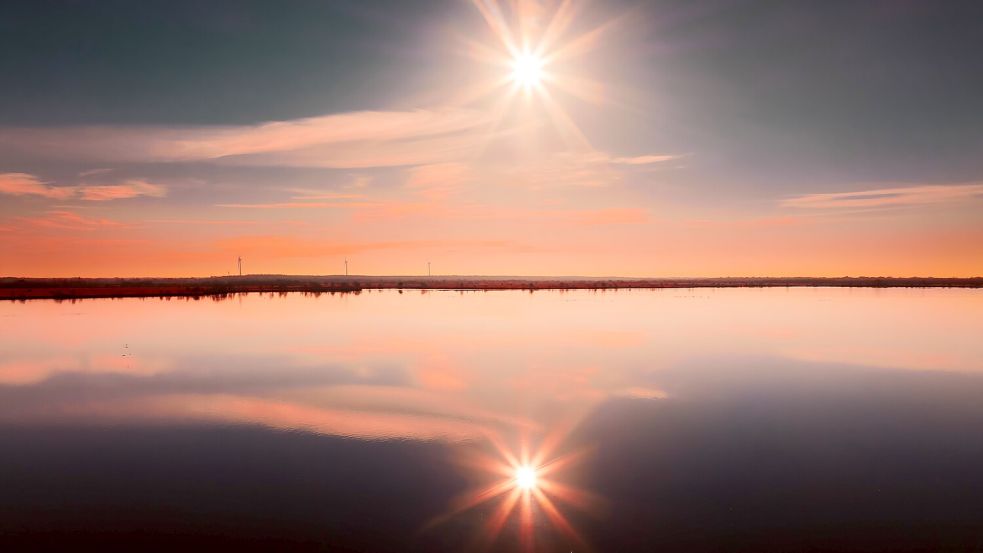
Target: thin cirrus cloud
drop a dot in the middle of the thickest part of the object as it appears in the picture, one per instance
(24, 184)
(294, 205)
(344, 140)
(888, 197)
(646, 159)
(128, 189)
(304, 198)
(582, 169)
(286, 246)
(434, 138)
(363, 210)
(67, 220)
(438, 180)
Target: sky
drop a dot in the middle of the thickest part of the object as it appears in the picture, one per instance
(659, 138)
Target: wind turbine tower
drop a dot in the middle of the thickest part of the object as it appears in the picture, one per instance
(240, 265)
(346, 266)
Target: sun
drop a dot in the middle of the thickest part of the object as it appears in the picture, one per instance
(535, 56)
(527, 70)
(526, 484)
(525, 477)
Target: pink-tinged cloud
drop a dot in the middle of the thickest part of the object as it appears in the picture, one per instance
(356, 139)
(283, 246)
(438, 210)
(439, 180)
(645, 160)
(128, 189)
(308, 199)
(67, 220)
(886, 197)
(747, 223)
(591, 168)
(639, 392)
(435, 211)
(298, 134)
(371, 153)
(297, 205)
(23, 184)
(612, 216)
(438, 138)
(308, 194)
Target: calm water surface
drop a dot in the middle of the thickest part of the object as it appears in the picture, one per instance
(731, 419)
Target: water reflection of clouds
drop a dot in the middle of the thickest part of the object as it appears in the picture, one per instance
(34, 370)
(358, 401)
(202, 373)
(283, 415)
(501, 360)
(763, 399)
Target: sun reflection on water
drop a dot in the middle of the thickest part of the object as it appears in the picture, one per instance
(526, 489)
(525, 477)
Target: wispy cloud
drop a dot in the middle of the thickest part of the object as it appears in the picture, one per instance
(438, 180)
(296, 205)
(646, 159)
(309, 194)
(404, 211)
(127, 189)
(565, 169)
(354, 139)
(67, 220)
(93, 172)
(287, 246)
(23, 184)
(431, 140)
(610, 216)
(886, 197)
(588, 169)
(746, 223)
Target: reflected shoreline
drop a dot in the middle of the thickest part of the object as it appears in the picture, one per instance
(223, 287)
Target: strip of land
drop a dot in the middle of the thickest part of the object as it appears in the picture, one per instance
(13, 288)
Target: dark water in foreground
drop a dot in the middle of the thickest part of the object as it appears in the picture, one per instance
(706, 420)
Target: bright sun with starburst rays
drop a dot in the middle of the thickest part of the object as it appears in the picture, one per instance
(527, 70)
(525, 484)
(534, 56)
(525, 477)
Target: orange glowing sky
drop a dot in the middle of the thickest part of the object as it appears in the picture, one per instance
(519, 138)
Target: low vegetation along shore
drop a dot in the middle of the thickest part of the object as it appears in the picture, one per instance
(12, 288)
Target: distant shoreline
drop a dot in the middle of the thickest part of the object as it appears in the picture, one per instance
(13, 288)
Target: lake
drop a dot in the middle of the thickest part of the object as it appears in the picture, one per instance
(803, 419)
